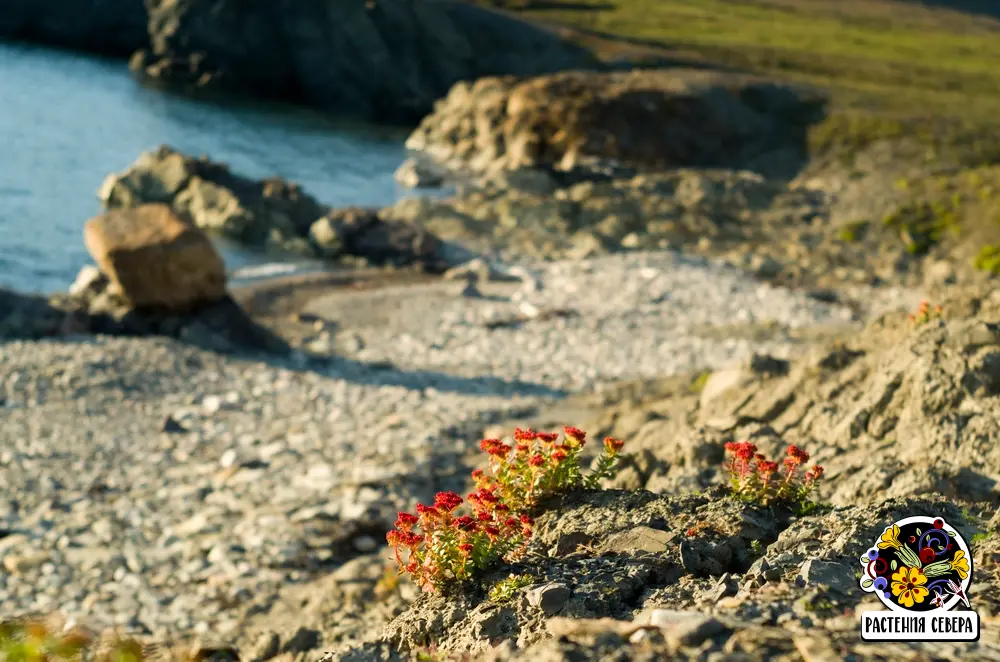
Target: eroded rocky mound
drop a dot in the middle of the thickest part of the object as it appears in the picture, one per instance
(385, 60)
(901, 410)
(270, 212)
(636, 576)
(599, 121)
(904, 416)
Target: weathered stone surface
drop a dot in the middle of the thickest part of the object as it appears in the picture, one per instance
(253, 211)
(156, 259)
(389, 60)
(273, 212)
(603, 121)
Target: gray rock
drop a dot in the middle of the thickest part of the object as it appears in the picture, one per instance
(550, 598)
(404, 57)
(641, 540)
(414, 173)
(683, 628)
(837, 576)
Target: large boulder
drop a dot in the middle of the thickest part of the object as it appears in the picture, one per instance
(650, 119)
(154, 258)
(384, 60)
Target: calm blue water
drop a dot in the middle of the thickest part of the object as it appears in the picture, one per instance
(66, 121)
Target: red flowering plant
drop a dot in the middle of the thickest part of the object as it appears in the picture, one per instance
(540, 464)
(925, 313)
(450, 546)
(754, 478)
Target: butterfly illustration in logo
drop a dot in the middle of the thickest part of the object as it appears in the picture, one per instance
(955, 589)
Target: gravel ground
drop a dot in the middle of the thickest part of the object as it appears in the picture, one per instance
(267, 474)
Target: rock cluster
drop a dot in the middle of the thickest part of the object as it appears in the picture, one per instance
(601, 122)
(268, 212)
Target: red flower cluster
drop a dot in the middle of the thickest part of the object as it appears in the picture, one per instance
(754, 477)
(452, 546)
(924, 314)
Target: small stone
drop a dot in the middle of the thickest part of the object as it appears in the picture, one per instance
(631, 240)
(828, 573)
(765, 266)
(88, 279)
(726, 587)
(19, 564)
(550, 598)
(171, 426)
(772, 574)
(470, 291)
(641, 539)
(685, 628)
(228, 459)
(211, 404)
(414, 173)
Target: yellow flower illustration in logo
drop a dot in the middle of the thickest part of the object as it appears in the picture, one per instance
(890, 538)
(908, 585)
(960, 564)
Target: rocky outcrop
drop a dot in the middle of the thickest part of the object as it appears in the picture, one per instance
(270, 212)
(156, 259)
(216, 200)
(93, 306)
(652, 119)
(902, 409)
(108, 27)
(388, 60)
(634, 576)
(384, 60)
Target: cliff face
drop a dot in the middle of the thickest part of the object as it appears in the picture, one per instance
(106, 27)
(383, 60)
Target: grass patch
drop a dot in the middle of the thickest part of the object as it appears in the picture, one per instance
(851, 232)
(894, 71)
(988, 260)
(506, 589)
(698, 383)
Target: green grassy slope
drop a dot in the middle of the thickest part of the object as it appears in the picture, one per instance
(894, 67)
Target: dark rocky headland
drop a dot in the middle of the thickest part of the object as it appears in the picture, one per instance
(677, 225)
